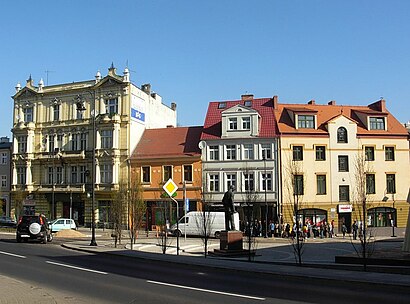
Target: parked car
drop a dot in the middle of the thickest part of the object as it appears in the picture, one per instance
(33, 227)
(6, 221)
(61, 224)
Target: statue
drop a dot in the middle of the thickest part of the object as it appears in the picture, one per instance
(229, 209)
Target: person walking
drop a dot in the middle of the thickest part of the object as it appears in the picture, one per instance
(272, 228)
(354, 230)
(344, 230)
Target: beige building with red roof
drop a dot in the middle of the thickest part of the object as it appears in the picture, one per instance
(168, 153)
(321, 147)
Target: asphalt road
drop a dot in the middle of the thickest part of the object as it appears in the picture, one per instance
(107, 279)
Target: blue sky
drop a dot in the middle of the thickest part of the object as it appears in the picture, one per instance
(194, 52)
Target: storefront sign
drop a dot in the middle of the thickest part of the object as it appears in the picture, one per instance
(345, 208)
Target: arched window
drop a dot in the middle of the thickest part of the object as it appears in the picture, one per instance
(342, 135)
(381, 217)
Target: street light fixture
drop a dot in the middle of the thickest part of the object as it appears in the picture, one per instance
(81, 108)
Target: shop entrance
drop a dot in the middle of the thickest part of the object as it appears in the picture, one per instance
(344, 218)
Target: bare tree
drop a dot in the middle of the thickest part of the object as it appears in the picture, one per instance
(118, 210)
(18, 199)
(163, 240)
(361, 204)
(295, 186)
(137, 208)
(204, 222)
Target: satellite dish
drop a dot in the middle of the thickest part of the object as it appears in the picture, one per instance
(202, 145)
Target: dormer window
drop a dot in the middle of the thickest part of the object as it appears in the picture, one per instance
(342, 135)
(377, 123)
(306, 121)
(233, 123)
(222, 105)
(246, 123)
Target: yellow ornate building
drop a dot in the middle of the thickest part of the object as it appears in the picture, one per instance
(59, 131)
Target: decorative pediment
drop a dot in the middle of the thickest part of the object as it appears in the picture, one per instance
(108, 81)
(239, 109)
(25, 93)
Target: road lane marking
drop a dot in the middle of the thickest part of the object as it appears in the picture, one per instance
(75, 267)
(12, 254)
(207, 290)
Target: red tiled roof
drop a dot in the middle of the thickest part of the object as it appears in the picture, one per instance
(325, 113)
(213, 120)
(168, 142)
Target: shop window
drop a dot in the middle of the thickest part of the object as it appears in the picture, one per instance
(381, 217)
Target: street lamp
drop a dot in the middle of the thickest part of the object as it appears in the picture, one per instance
(81, 108)
(266, 202)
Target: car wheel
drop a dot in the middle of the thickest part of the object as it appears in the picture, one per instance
(50, 237)
(177, 233)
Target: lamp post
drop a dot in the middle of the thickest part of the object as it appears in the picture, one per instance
(266, 202)
(81, 108)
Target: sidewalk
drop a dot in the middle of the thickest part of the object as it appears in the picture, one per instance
(147, 248)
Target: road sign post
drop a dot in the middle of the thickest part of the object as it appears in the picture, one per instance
(170, 188)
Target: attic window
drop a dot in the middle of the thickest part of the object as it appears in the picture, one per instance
(306, 121)
(377, 123)
(248, 103)
(222, 105)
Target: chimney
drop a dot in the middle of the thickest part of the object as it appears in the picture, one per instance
(146, 88)
(173, 106)
(246, 97)
(275, 102)
(332, 103)
(382, 105)
(312, 102)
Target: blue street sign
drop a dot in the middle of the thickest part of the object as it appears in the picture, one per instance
(187, 204)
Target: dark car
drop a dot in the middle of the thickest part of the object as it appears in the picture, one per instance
(33, 227)
(6, 221)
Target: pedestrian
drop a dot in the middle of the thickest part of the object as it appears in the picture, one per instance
(354, 230)
(272, 228)
(344, 230)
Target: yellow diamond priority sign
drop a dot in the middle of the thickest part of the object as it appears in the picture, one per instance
(170, 187)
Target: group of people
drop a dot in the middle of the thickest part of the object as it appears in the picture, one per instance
(321, 229)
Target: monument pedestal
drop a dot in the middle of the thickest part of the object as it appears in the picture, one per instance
(231, 244)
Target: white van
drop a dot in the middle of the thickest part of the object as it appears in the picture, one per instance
(193, 223)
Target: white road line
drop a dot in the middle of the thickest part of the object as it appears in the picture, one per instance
(207, 290)
(75, 267)
(12, 254)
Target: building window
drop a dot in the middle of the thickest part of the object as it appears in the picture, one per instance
(106, 173)
(214, 182)
(381, 217)
(4, 181)
(306, 121)
(248, 103)
(389, 153)
(188, 173)
(50, 176)
(28, 114)
(4, 157)
(246, 123)
(74, 175)
(266, 181)
(106, 139)
(369, 153)
(59, 175)
(377, 123)
(213, 152)
(21, 175)
(297, 153)
(230, 152)
(266, 150)
(232, 123)
(83, 174)
(343, 163)
(342, 135)
(391, 183)
(249, 181)
(167, 173)
(320, 153)
(370, 184)
(248, 151)
(80, 114)
(230, 180)
(222, 105)
(60, 138)
(83, 141)
(321, 184)
(111, 106)
(74, 142)
(56, 112)
(51, 144)
(298, 185)
(146, 174)
(344, 195)
(22, 144)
